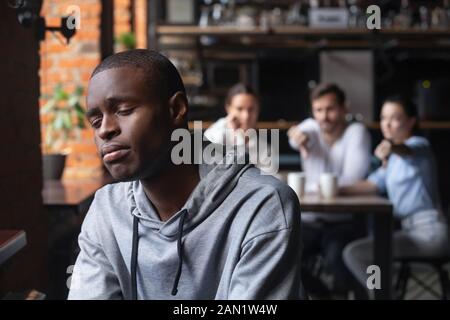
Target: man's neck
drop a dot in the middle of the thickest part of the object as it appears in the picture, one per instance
(331, 137)
(170, 190)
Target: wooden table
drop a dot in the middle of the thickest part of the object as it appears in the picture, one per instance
(381, 211)
(11, 241)
(66, 194)
(66, 203)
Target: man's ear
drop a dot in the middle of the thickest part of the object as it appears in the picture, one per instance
(178, 108)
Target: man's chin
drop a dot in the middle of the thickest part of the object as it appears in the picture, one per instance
(122, 177)
(121, 173)
(149, 172)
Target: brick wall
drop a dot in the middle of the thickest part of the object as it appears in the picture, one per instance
(140, 23)
(122, 19)
(72, 64)
(122, 16)
(20, 156)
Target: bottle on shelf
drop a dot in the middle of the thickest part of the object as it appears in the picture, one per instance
(295, 15)
(355, 14)
(403, 19)
(438, 18)
(205, 17)
(424, 17)
(447, 11)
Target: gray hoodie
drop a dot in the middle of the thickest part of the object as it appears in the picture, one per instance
(240, 239)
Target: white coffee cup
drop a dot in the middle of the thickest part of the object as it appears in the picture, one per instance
(328, 185)
(297, 181)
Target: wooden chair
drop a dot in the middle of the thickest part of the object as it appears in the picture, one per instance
(437, 263)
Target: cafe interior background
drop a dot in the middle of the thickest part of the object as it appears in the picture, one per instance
(278, 47)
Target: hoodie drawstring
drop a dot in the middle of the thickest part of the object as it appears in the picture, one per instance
(134, 251)
(180, 253)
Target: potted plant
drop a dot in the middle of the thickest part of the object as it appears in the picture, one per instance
(125, 41)
(66, 118)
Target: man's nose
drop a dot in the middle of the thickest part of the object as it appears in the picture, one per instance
(322, 116)
(109, 128)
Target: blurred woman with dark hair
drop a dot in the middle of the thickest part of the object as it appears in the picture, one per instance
(409, 179)
(242, 108)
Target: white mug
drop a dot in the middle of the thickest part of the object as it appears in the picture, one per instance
(328, 185)
(297, 181)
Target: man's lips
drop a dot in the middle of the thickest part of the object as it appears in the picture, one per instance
(114, 152)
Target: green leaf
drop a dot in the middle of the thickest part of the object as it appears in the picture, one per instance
(128, 40)
(81, 123)
(68, 117)
(48, 106)
(67, 121)
(58, 124)
(79, 91)
(60, 94)
(79, 109)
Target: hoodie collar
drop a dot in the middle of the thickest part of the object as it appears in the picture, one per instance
(216, 182)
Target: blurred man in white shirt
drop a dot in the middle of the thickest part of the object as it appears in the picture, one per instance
(329, 144)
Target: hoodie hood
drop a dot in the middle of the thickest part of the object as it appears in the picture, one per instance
(216, 182)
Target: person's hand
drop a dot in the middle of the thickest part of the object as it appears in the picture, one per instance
(237, 135)
(232, 122)
(300, 139)
(383, 151)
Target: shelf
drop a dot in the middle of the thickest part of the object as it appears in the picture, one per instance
(294, 37)
(176, 30)
(285, 125)
(194, 30)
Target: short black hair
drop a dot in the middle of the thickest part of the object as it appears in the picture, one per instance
(240, 88)
(327, 88)
(161, 75)
(408, 106)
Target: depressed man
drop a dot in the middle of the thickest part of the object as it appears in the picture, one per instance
(185, 231)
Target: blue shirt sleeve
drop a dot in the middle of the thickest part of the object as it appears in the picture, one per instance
(419, 145)
(378, 177)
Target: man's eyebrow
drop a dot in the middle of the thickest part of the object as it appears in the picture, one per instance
(111, 103)
(92, 112)
(115, 100)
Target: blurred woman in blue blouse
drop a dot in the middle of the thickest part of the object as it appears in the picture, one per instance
(409, 179)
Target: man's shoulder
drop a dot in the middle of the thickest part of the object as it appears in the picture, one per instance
(111, 196)
(108, 205)
(280, 193)
(257, 178)
(278, 205)
(309, 124)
